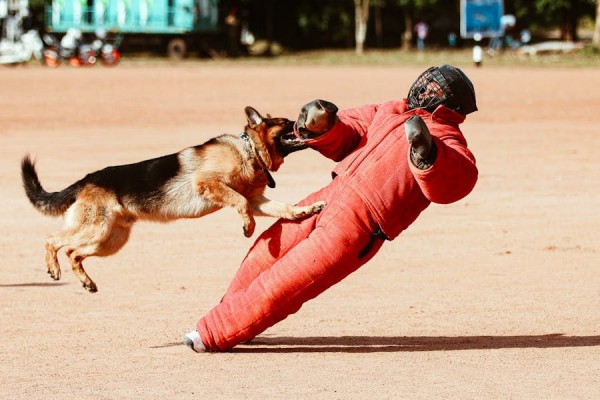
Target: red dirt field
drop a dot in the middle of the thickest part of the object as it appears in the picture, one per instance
(494, 297)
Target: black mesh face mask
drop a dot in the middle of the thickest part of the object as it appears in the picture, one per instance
(445, 85)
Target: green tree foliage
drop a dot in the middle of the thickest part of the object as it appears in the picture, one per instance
(548, 14)
(303, 24)
(333, 21)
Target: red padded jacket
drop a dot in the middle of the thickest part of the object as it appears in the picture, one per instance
(371, 144)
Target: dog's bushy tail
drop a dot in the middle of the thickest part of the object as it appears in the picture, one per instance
(55, 203)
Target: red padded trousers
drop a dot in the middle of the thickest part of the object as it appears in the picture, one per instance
(289, 264)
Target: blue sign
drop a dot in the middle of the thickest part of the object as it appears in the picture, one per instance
(481, 16)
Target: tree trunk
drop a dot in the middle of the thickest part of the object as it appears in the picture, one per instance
(570, 17)
(408, 30)
(379, 25)
(270, 23)
(573, 20)
(361, 16)
(596, 38)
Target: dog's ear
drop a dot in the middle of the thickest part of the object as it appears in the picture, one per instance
(254, 120)
(253, 117)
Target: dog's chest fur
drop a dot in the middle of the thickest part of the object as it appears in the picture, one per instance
(223, 160)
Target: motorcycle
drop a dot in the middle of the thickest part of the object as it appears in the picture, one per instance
(78, 53)
(107, 52)
(69, 48)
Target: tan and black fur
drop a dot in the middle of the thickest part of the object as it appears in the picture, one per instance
(228, 170)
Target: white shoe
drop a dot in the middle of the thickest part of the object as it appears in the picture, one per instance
(193, 341)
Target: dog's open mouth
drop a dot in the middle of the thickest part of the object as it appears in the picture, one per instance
(289, 142)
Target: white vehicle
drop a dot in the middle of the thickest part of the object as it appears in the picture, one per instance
(17, 47)
(27, 47)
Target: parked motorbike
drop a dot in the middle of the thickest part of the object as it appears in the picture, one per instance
(70, 48)
(107, 52)
(52, 51)
(77, 53)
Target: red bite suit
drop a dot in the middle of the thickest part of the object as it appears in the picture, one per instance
(376, 190)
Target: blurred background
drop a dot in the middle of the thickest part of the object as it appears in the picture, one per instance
(55, 30)
(502, 304)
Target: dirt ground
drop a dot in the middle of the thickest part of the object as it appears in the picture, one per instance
(494, 297)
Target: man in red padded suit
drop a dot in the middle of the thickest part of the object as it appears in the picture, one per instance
(395, 158)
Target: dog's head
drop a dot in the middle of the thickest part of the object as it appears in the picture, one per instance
(273, 138)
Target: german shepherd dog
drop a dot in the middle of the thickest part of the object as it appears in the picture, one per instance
(228, 170)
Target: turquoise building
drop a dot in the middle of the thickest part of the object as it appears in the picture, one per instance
(134, 16)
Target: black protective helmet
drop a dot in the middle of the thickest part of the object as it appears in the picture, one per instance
(445, 85)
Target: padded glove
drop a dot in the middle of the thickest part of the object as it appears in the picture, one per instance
(423, 150)
(316, 118)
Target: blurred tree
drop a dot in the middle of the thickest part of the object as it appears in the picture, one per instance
(361, 17)
(378, 5)
(564, 14)
(323, 23)
(566, 9)
(37, 10)
(596, 38)
(411, 10)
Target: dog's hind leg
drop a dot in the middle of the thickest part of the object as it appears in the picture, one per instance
(102, 239)
(76, 256)
(85, 244)
(53, 245)
(101, 230)
(99, 235)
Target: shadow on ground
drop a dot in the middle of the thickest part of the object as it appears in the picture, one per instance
(33, 284)
(388, 344)
(378, 344)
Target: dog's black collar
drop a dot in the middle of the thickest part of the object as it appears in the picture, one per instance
(261, 163)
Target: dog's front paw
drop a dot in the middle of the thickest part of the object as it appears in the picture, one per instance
(249, 229)
(317, 207)
(309, 210)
